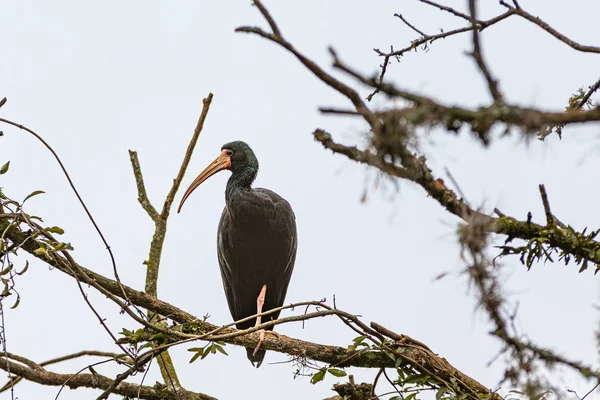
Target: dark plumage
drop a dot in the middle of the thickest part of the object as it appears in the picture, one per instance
(256, 242)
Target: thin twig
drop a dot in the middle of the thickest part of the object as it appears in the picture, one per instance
(269, 19)
(72, 185)
(447, 9)
(187, 157)
(478, 56)
(139, 179)
(410, 25)
(549, 217)
(517, 10)
(375, 382)
(588, 94)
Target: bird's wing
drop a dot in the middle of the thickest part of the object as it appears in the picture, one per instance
(224, 264)
(285, 224)
(292, 245)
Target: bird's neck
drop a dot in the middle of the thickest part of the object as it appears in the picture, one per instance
(238, 182)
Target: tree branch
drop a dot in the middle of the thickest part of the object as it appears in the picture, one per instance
(478, 56)
(581, 246)
(94, 380)
(187, 157)
(160, 230)
(119, 357)
(545, 26)
(139, 180)
(418, 357)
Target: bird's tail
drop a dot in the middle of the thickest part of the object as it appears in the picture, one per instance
(256, 359)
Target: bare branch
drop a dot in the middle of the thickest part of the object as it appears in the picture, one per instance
(478, 56)
(269, 19)
(187, 157)
(447, 9)
(139, 180)
(350, 93)
(97, 381)
(545, 26)
(550, 220)
(570, 242)
(586, 97)
(410, 25)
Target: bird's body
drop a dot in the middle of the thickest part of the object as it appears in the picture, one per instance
(255, 248)
(256, 241)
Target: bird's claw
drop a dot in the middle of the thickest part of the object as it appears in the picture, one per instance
(261, 338)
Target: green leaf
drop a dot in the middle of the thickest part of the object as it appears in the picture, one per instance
(7, 269)
(195, 357)
(16, 302)
(411, 396)
(357, 341)
(63, 246)
(390, 355)
(195, 349)
(24, 268)
(55, 229)
(418, 378)
(30, 195)
(206, 352)
(145, 345)
(40, 251)
(336, 372)
(4, 168)
(318, 377)
(539, 396)
(440, 393)
(156, 336)
(221, 349)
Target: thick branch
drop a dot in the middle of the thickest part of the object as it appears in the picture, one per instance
(97, 381)
(577, 244)
(121, 357)
(333, 355)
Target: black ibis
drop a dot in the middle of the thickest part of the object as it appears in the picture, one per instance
(256, 241)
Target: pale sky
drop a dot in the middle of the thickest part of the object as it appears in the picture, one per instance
(97, 79)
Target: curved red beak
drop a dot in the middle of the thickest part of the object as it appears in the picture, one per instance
(222, 162)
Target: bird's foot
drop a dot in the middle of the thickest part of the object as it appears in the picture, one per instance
(261, 338)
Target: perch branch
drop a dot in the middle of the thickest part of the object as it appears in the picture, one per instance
(36, 373)
(333, 355)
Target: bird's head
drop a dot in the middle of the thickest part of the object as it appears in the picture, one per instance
(237, 157)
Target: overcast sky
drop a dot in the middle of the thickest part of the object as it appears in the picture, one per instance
(97, 79)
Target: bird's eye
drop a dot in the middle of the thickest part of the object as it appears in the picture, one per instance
(229, 152)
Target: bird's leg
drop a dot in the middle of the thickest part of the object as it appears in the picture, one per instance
(260, 301)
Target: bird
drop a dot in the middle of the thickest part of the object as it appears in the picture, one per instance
(257, 242)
